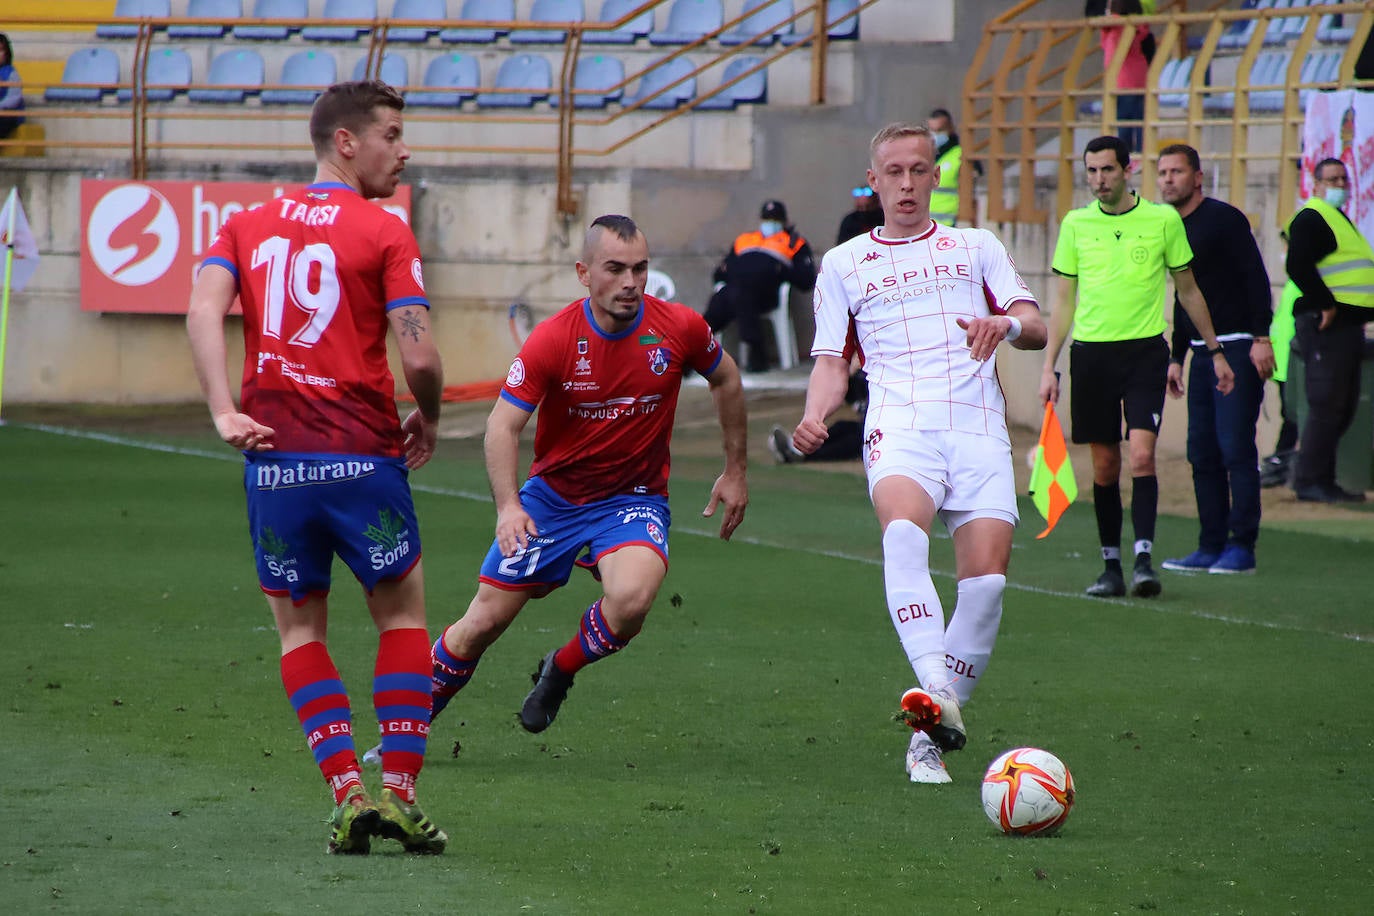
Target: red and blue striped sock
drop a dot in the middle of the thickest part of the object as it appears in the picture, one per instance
(449, 674)
(312, 684)
(594, 640)
(400, 692)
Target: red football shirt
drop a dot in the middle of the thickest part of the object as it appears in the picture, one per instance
(606, 402)
(317, 272)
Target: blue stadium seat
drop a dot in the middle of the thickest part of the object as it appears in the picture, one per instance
(449, 80)
(303, 77)
(132, 10)
(519, 71)
(479, 10)
(549, 11)
(1293, 25)
(1175, 77)
(97, 66)
(753, 89)
(1274, 30)
(599, 77)
(1237, 34)
(272, 9)
(229, 70)
(415, 9)
(395, 70)
(226, 11)
(660, 76)
(1262, 71)
(169, 72)
(637, 28)
(766, 18)
(689, 20)
(1335, 28)
(1274, 77)
(848, 30)
(341, 9)
(1326, 68)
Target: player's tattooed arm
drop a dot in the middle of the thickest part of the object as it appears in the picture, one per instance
(413, 323)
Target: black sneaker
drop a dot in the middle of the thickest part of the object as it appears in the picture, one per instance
(780, 446)
(1110, 584)
(1144, 580)
(1276, 469)
(550, 690)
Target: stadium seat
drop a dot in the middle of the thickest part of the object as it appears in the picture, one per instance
(1275, 28)
(658, 77)
(599, 77)
(549, 11)
(489, 10)
(1176, 77)
(449, 80)
(415, 9)
(89, 74)
(753, 89)
(847, 30)
(1293, 25)
(303, 77)
(230, 70)
(341, 9)
(272, 9)
(689, 20)
(395, 70)
(1262, 71)
(169, 72)
(1237, 34)
(766, 18)
(1273, 78)
(133, 10)
(519, 71)
(1335, 28)
(225, 11)
(627, 34)
(1326, 69)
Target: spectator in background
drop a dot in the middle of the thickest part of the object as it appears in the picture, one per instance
(1221, 428)
(1130, 79)
(12, 95)
(759, 262)
(865, 217)
(949, 157)
(844, 438)
(1333, 267)
(1277, 469)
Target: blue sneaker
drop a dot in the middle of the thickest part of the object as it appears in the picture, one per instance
(1234, 561)
(1195, 562)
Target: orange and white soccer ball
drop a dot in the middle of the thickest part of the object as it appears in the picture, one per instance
(1028, 791)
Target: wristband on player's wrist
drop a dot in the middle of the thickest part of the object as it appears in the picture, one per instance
(1014, 331)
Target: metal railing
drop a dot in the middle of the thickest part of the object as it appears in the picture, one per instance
(1022, 97)
(558, 126)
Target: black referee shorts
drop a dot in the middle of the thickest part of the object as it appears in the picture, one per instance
(1116, 378)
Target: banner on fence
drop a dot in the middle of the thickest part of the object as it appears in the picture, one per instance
(143, 241)
(1340, 125)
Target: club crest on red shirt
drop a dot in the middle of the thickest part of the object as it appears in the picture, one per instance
(658, 360)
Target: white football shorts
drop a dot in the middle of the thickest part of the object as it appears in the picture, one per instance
(968, 476)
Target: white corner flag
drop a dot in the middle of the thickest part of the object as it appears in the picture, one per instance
(20, 251)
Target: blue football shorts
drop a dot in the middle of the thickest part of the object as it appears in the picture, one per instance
(572, 535)
(304, 509)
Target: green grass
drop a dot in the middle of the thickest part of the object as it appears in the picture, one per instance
(737, 759)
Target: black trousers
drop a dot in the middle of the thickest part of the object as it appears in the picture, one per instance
(733, 304)
(1331, 374)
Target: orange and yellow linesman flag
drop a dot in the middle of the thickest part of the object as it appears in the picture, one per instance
(1052, 487)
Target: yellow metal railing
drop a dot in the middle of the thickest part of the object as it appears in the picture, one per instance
(560, 124)
(1023, 92)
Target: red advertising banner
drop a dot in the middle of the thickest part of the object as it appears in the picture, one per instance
(144, 241)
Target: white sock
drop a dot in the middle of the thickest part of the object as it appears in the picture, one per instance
(913, 602)
(973, 630)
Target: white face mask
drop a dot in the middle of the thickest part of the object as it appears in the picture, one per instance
(940, 139)
(770, 227)
(1336, 197)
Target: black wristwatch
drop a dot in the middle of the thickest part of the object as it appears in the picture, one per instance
(1219, 349)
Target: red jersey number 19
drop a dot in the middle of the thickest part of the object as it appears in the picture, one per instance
(289, 276)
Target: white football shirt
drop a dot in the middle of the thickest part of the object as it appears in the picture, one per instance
(904, 297)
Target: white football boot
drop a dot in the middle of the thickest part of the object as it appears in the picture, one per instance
(923, 760)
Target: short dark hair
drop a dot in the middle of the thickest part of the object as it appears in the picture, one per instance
(1186, 151)
(1329, 160)
(941, 113)
(9, 48)
(351, 106)
(622, 227)
(1116, 144)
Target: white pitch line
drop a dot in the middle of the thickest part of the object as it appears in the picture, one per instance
(127, 442)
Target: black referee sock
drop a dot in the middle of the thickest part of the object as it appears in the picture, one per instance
(1144, 506)
(1107, 507)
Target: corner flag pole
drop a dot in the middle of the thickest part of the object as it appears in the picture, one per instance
(12, 205)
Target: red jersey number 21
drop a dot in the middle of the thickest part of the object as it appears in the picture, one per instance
(289, 278)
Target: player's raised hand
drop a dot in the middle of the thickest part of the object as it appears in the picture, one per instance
(421, 436)
(733, 491)
(809, 435)
(243, 432)
(514, 528)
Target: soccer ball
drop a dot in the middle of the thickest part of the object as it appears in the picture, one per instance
(1027, 791)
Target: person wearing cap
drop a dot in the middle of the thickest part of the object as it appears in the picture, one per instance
(866, 216)
(748, 278)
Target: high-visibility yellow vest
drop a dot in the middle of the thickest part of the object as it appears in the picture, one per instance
(1349, 270)
(944, 200)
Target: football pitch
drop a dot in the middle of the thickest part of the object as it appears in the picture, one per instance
(739, 757)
